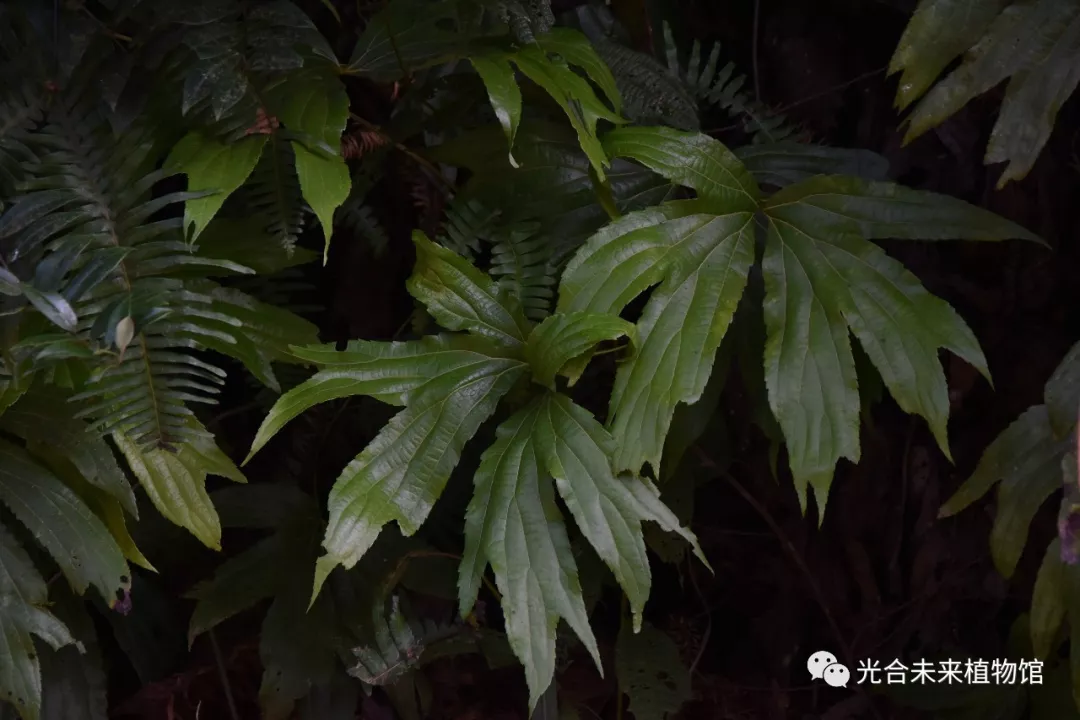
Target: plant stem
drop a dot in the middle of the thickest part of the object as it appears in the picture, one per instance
(224, 676)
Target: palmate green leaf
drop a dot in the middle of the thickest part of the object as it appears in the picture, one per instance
(460, 297)
(699, 251)
(214, 166)
(176, 481)
(1036, 45)
(561, 338)
(405, 37)
(938, 33)
(318, 107)
(448, 385)
(58, 519)
(23, 614)
(405, 468)
(514, 525)
(816, 243)
(575, 48)
(822, 277)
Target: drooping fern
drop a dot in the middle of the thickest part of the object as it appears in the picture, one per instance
(723, 89)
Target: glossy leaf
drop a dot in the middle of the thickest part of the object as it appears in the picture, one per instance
(402, 472)
(575, 48)
(63, 524)
(53, 306)
(392, 373)
(504, 93)
(514, 525)
(693, 160)
(460, 297)
(822, 277)
(564, 337)
(577, 451)
(176, 481)
(702, 261)
(213, 166)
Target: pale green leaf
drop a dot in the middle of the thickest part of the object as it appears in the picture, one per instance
(514, 524)
(402, 472)
(694, 160)
(23, 597)
(58, 519)
(563, 337)
(1032, 101)
(1048, 602)
(214, 166)
(504, 93)
(576, 450)
(1062, 393)
(387, 371)
(702, 262)
(574, 95)
(460, 297)
(651, 673)
(1019, 38)
(822, 277)
(576, 49)
(1026, 458)
(938, 33)
(176, 481)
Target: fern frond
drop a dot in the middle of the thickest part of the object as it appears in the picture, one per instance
(361, 220)
(273, 192)
(723, 89)
(649, 92)
(467, 223)
(522, 262)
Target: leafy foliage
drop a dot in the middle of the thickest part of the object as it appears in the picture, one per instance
(1033, 45)
(158, 175)
(1029, 462)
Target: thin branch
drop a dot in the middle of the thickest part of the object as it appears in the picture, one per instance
(224, 676)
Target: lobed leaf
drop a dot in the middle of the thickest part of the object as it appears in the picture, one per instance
(563, 337)
(460, 297)
(513, 524)
(504, 93)
(402, 472)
